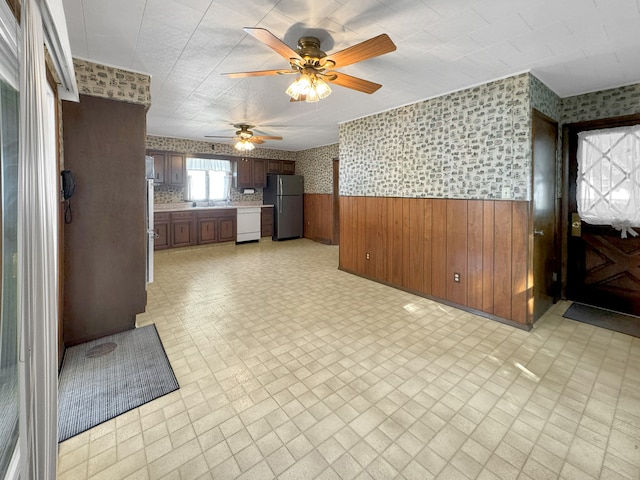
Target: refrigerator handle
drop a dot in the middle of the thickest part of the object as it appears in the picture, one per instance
(279, 198)
(280, 181)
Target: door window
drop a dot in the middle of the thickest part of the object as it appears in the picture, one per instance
(608, 183)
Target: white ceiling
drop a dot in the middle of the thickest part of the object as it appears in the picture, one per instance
(573, 46)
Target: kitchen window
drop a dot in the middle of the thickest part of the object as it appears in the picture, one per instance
(208, 179)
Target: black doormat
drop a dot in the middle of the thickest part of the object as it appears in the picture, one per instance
(615, 321)
(104, 378)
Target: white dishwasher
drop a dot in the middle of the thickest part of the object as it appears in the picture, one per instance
(248, 224)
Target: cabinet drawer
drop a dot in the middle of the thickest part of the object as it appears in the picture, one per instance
(181, 216)
(216, 213)
(161, 216)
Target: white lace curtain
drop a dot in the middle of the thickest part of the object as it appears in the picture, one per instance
(608, 189)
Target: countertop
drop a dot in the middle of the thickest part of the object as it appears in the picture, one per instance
(187, 206)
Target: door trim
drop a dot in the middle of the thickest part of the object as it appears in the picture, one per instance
(568, 130)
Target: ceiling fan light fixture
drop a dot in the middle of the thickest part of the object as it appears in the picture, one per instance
(322, 88)
(312, 87)
(244, 145)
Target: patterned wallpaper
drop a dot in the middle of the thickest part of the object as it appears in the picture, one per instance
(475, 143)
(316, 165)
(545, 100)
(109, 82)
(604, 104)
(173, 194)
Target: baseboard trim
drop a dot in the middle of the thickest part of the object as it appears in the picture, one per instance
(480, 313)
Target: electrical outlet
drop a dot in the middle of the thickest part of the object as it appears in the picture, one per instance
(456, 277)
(506, 193)
(367, 256)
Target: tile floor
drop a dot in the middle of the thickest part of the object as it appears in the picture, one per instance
(292, 369)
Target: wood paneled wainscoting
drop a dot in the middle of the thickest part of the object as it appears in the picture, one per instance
(318, 217)
(421, 244)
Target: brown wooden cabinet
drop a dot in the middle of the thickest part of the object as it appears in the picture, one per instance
(216, 225)
(207, 231)
(266, 221)
(159, 166)
(169, 168)
(161, 222)
(274, 166)
(227, 228)
(283, 167)
(199, 227)
(176, 169)
(181, 229)
(288, 167)
(249, 173)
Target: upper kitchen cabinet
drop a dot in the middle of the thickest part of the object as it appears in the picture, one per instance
(288, 167)
(159, 167)
(169, 168)
(249, 173)
(283, 167)
(176, 167)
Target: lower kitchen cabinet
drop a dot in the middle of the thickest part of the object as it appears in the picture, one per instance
(181, 229)
(266, 221)
(161, 222)
(184, 228)
(227, 229)
(207, 231)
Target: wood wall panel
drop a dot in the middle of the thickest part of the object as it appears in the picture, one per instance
(395, 248)
(418, 244)
(519, 245)
(361, 232)
(406, 242)
(488, 247)
(475, 220)
(427, 241)
(456, 238)
(502, 281)
(318, 217)
(346, 242)
(439, 248)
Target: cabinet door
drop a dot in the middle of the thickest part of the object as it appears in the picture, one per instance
(259, 173)
(227, 227)
(207, 231)
(159, 166)
(181, 233)
(176, 169)
(288, 167)
(162, 235)
(244, 173)
(273, 166)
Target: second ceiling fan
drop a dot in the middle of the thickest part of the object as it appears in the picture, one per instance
(315, 67)
(245, 138)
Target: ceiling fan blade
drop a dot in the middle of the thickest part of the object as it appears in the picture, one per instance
(354, 83)
(218, 136)
(269, 39)
(266, 137)
(368, 49)
(258, 73)
(255, 140)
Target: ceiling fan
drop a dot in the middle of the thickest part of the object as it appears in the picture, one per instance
(315, 67)
(245, 138)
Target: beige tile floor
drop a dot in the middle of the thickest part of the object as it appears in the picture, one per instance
(292, 369)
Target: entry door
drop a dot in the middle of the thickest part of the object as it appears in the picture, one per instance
(603, 269)
(545, 134)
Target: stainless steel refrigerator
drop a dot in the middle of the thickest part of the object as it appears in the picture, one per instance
(285, 193)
